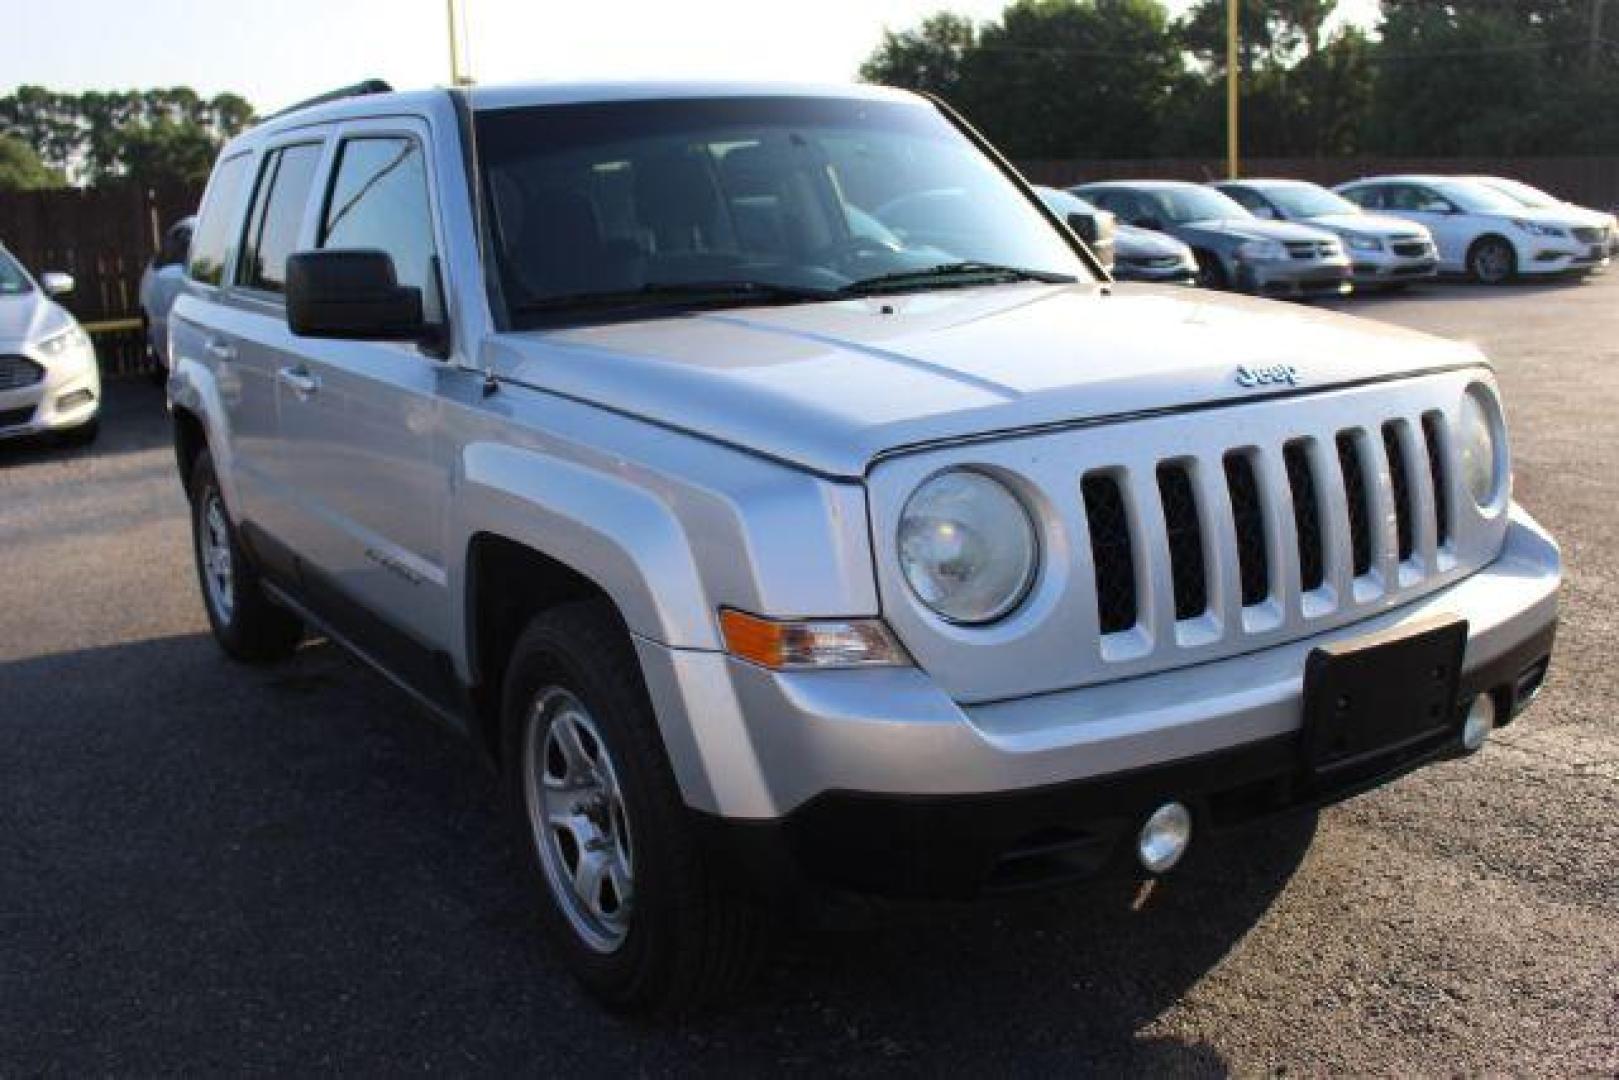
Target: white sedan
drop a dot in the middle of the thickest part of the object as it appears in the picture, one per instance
(1606, 225)
(49, 381)
(1479, 230)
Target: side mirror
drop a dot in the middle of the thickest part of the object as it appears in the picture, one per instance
(353, 295)
(55, 283)
(1084, 227)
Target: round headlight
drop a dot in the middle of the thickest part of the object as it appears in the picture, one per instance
(1475, 446)
(967, 547)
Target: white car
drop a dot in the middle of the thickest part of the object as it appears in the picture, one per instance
(49, 381)
(160, 283)
(1479, 230)
(1607, 225)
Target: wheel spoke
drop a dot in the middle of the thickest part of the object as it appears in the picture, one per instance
(565, 729)
(588, 876)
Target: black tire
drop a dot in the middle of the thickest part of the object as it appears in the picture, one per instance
(1492, 261)
(251, 627)
(1211, 272)
(691, 939)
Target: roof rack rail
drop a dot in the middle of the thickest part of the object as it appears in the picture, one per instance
(359, 89)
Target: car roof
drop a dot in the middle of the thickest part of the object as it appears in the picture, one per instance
(1404, 178)
(1145, 185)
(1264, 182)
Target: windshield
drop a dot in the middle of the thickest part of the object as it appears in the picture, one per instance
(789, 199)
(1529, 196)
(12, 280)
(1184, 205)
(1478, 199)
(1307, 200)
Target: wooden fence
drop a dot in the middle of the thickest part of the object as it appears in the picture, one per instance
(105, 236)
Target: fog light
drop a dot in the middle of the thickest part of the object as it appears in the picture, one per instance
(1480, 721)
(1163, 839)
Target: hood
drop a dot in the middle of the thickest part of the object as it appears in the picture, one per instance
(1374, 225)
(1133, 243)
(1251, 229)
(29, 316)
(830, 386)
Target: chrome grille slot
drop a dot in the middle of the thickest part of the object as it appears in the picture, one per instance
(1184, 528)
(17, 372)
(1433, 434)
(1355, 497)
(1111, 552)
(1400, 489)
(1248, 516)
(1306, 515)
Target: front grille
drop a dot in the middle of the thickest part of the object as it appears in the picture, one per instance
(1373, 474)
(17, 372)
(1590, 235)
(1313, 249)
(1409, 249)
(15, 417)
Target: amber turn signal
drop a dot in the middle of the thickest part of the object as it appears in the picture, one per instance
(810, 643)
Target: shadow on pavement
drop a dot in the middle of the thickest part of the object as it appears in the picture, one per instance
(220, 867)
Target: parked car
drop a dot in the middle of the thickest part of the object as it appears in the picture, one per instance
(1606, 224)
(1385, 252)
(160, 283)
(49, 381)
(1480, 231)
(1144, 255)
(1097, 228)
(1234, 249)
(763, 557)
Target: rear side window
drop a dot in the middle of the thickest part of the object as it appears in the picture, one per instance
(277, 216)
(379, 201)
(217, 227)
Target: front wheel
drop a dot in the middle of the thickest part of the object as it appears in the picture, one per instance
(1211, 272)
(628, 896)
(1492, 261)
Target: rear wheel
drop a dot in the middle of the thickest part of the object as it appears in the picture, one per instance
(628, 897)
(246, 622)
(1492, 261)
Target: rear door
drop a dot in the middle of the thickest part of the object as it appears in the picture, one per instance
(262, 347)
(361, 420)
(1452, 230)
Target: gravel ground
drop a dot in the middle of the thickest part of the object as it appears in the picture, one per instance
(205, 867)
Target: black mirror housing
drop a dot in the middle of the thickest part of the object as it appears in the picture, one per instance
(1084, 226)
(352, 295)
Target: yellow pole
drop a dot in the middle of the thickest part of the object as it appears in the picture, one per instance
(1231, 88)
(456, 77)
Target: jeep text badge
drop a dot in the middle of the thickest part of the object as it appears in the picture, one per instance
(1268, 376)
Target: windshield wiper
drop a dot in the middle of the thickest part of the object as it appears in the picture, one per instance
(954, 273)
(684, 293)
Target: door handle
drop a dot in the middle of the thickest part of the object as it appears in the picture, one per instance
(220, 349)
(302, 382)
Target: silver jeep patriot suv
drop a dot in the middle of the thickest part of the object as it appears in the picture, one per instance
(786, 501)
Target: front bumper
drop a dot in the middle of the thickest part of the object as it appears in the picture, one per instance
(1554, 255)
(1296, 277)
(941, 795)
(1166, 273)
(1378, 268)
(68, 396)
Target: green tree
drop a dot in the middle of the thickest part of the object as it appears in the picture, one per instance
(927, 59)
(21, 169)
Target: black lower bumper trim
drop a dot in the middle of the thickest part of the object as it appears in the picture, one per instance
(960, 845)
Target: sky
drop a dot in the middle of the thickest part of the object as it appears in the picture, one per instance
(275, 52)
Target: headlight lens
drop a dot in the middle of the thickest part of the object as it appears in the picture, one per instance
(1261, 251)
(1535, 228)
(73, 337)
(967, 547)
(1475, 445)
(1364, 243)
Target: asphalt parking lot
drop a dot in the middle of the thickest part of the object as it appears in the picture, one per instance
(205, 867)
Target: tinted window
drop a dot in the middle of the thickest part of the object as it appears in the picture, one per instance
(605, 201)
(379, 201)
(217, 228)
(1365, 196)
(278, 214)
(1247, 198)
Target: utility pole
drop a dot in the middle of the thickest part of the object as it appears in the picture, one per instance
(458, 77)
(1231, 89)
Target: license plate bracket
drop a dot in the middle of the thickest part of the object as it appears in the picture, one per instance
(1375, 697)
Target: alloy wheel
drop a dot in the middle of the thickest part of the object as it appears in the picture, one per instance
(213, 543)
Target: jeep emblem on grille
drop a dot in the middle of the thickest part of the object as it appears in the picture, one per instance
(1268, 376)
